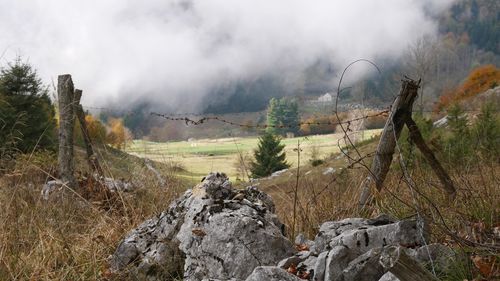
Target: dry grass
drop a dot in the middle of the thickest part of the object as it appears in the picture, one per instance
(69, 237)
(478, 198)
(467, 224)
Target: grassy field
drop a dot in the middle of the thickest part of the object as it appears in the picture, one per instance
(201, 156)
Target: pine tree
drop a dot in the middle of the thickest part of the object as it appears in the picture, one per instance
(273, 115)
(26, 111)
(282, 112)
(269, 156)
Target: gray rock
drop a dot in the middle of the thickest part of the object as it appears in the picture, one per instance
(365, 267)
(328, 171)
(117, 184)
(150, 251)
(338, 259)
(348, 249)
(332, 229)
(319, 269)
(302, 240)
(441, 122)
(295, 259)
(50, 187)
(388, 277)
(208, 234)
(402, 233)
(364, 238)
(271, 273)
(217, 186)
(278, 173)
(309, 264)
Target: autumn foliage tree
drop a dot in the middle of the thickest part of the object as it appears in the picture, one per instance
(479, 80)
(97, 130)
(118, 134)
(317, 125)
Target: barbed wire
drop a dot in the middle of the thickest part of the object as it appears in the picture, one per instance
(262, 112)
(203, 120)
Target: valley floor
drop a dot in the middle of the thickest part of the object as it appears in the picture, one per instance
(197, 157)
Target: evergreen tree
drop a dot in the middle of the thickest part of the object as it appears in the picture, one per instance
(269, 156)
(26, 111)
(282, 112)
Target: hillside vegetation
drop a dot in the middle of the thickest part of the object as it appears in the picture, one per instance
(70, 232)
(70, 237)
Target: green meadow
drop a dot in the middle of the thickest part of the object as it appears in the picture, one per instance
(198, 157)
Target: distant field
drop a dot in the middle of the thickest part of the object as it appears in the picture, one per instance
(204, 155)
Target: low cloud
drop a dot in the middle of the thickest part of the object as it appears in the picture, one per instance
(173, 51)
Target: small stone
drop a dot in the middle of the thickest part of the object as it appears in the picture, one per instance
(271, 273)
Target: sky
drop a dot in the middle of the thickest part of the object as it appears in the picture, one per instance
(175, 51)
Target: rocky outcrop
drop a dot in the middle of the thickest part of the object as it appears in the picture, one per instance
(112, 185)
(211, 232)
(350, 249)
(214, 232)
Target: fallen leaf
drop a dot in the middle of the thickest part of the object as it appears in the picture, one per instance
(292, 269)
(198, 232)
(302, 247)
(487, 266)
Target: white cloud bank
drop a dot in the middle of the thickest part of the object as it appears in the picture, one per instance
(175, 50)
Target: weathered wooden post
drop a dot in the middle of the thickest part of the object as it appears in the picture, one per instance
(91, 157)
(400, 115)
(382, 160)
(438, 169)
(65, 94)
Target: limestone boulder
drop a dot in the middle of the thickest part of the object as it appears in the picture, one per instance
(211, 232)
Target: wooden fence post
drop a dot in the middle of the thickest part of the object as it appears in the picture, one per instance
(401, 108)
(441, 173)
(401, 115)
(65, 94)
(91, 157)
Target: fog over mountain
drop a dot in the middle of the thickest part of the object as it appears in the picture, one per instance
(174, 52)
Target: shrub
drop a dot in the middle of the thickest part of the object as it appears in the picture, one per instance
(479, 80)
(457, 143)
(317, 125)
(486, 132)
(317, 162)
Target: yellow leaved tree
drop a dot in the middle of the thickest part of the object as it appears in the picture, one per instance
(118, 135)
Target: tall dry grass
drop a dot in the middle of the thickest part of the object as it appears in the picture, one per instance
(70, 236)
(468, 223)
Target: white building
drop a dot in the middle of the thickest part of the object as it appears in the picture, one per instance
(326, 98)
